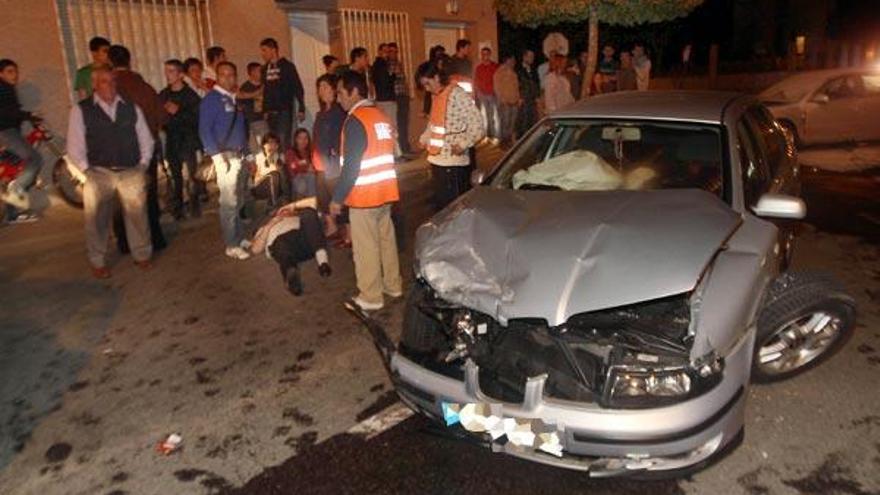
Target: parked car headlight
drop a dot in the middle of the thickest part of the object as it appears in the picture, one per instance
(632, 388)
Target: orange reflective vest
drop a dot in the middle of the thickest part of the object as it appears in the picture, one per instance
(376, 184)
(437, 121)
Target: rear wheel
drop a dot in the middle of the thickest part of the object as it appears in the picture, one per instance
(69, 187)
(806, 319)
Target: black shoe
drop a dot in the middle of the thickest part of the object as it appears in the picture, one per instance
(324, 270)
(293, 281)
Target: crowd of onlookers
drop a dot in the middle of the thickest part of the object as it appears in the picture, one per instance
(334, 182)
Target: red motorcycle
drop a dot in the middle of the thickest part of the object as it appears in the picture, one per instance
(68, 180)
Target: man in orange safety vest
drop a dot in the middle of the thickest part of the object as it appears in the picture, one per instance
(368, 186)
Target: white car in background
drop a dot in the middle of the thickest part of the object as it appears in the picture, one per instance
(827, 106)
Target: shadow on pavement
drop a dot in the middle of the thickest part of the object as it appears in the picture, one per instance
(407, 459)
(47, 329)
(843, 203)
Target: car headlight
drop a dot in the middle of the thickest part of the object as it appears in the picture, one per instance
(629, 387)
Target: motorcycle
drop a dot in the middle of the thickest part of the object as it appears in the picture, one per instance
(67, 179)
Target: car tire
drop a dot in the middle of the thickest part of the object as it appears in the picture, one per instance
(421, 333)
(806, 318)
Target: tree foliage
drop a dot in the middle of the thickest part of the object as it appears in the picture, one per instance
(619, 12)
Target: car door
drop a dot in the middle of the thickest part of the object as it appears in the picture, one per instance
(777, 150)
(869, 130)
(831, 112)
(764, 171)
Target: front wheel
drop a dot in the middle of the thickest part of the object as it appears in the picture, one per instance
(806, 319)
(69, 187)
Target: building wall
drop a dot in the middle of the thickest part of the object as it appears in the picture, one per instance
(239, 26)
(31, 38)
(479, 17)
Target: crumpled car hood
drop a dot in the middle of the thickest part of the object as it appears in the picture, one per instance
(550, 254)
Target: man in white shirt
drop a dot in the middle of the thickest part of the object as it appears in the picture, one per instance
(109, 140)
(642, 66)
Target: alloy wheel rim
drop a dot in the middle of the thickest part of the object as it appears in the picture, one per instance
(798, 343)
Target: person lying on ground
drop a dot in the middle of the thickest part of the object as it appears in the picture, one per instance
(294, 235)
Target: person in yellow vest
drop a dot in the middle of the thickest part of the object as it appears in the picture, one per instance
(455, 126)
(368, 186)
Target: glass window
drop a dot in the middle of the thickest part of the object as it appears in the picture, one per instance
(593, 155)
(771, 138)
(843, 87)
(755, 176)
(871, 83)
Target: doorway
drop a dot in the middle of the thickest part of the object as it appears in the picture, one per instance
(309, 41)
(445, 34)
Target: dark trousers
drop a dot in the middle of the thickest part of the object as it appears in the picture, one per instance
(281, 124)
(177, 159)
(528, 115)
(273, 188)
(449, 183)
(153, 212)
(298, 245)
(403, 124)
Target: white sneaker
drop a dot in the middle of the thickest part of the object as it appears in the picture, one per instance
(245, 244)
(16, 197)
(25, 218)
(393, 295)
(237, 253)
(367, 306)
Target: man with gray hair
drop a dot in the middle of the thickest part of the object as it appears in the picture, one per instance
(108, 138)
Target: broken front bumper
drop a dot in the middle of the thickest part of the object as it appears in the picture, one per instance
(604, 442)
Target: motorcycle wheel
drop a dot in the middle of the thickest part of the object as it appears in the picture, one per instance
(69, 187)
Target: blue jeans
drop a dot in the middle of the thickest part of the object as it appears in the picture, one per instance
(231, 180)
(303, 186)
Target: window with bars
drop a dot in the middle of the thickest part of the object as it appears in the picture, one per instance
(369, 28)
(153, 30)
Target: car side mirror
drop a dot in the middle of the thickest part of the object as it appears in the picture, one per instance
(821, 98)
(772, 205)
(477, 177)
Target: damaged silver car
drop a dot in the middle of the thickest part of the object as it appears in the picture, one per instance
(603, 298)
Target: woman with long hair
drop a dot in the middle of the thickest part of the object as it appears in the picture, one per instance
(270, 174)
(300, 167)
(325, 154)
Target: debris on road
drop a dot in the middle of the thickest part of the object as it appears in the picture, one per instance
(170, 444)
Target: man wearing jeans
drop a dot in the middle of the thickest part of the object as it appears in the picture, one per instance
(109, 139)
(223, 131)
(11, 118)
(368, 186)
(484, 74)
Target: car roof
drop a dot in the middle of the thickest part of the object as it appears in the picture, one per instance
(688, 106)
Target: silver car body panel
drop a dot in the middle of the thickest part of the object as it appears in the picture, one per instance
(549, 254)
(731, 293)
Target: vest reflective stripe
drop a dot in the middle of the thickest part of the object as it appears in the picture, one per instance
(437, 121)
(463, 82)
(376, 184)
(376, 177)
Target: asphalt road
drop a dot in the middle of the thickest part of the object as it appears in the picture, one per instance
(264, 387)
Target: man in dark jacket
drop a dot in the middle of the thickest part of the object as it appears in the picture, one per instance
(132, 87)
(11, 118)
(181, 136)
(530, 91)
(283, 94)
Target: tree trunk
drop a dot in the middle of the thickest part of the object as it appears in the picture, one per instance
(592, 52)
